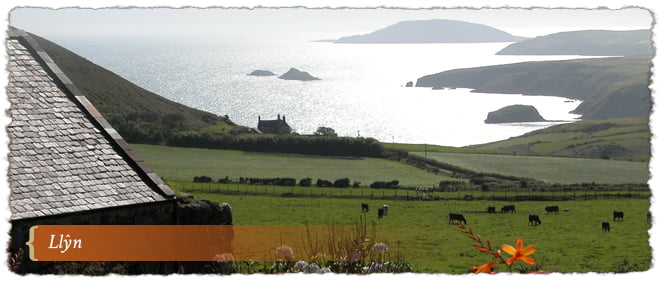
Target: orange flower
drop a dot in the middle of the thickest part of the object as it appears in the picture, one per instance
(519, 253)
(486, 268)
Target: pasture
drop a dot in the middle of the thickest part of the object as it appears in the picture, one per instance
(183, 164)
(441, 149)
(561, 170)
(571, 241)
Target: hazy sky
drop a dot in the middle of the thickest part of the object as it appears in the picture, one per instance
(331, 23)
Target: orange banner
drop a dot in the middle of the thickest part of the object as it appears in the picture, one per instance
(186, 242)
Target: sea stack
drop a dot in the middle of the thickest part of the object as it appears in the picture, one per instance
(295, 74)
(261, 73)
(515, 113)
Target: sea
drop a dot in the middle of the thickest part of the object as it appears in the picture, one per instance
(361, 91)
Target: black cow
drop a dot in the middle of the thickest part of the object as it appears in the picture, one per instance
(456, 217)
(381, 212)
(552, 209)
(386, 209)
(364, 207)
(534, 219)
(649, 217)
(605, 226)
(617, 215)
(509, 208)
(491, 209)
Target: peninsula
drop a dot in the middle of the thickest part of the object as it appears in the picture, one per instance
(609, 87)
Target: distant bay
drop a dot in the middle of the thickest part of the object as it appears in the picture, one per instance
(361, 91)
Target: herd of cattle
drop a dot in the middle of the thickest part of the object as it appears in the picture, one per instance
(534, 219)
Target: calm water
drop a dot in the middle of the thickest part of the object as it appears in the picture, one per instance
(361, 92)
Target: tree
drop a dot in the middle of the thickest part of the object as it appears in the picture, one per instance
(325, 131)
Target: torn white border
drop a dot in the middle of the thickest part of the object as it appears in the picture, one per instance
(656, 165)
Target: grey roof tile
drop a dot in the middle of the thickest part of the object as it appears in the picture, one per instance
(59, 161)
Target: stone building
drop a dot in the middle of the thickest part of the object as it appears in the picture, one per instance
(67, 165)
(277, 126)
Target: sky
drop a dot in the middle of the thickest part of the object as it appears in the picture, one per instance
(333, 23)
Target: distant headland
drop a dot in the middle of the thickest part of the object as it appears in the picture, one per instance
(433, 31)
(586, 43)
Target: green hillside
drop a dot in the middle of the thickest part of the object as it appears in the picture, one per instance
(609, 87)
(139, 115)
(621, 139)
(550, 169)
(586, 42)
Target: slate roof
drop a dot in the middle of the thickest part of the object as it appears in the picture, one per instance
(64, 157)
(277, 126)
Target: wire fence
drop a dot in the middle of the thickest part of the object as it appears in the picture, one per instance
(412, 194)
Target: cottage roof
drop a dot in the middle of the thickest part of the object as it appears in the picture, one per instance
(273, 126)
(64, 157)
(271, 123)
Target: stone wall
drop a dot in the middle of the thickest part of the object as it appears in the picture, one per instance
(200, 212)
(160, 213)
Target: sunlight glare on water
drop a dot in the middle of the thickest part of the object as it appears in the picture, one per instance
(361, 91)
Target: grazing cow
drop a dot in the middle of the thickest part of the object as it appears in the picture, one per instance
(617, 215)
(381, 212)
(364, 207)
(386, 209)
(226, 213)
(605, 226)
(534, 219)
(456, 217)
(552, 209)
(491, 209)
(509, 208)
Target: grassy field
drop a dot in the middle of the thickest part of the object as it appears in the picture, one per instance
(441, 149)
(550, 169)
(571, 241)
(182, 164)
(567, 242)
(622, 139)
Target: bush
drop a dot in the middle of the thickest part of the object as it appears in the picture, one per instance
(323, 183)
(382, 184)
(313, 145)
(305, 182)
(202, 179)
(268, 181)
(342, 183)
